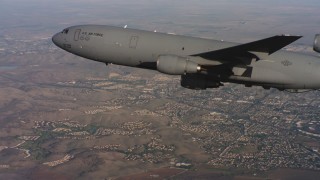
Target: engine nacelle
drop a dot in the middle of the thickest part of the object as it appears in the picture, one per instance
(198, 82)
(176, 65)
(316, 46)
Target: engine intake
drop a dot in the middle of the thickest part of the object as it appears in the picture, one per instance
(198, 82)
(176, 65)
(316, 46)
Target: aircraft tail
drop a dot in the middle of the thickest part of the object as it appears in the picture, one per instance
(316, 45)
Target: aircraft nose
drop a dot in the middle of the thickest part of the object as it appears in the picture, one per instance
(57, 39)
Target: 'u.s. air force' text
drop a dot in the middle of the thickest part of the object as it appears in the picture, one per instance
(92, 34)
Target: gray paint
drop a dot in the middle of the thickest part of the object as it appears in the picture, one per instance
(234, 63)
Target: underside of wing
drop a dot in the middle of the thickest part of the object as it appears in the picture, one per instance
(257, 49)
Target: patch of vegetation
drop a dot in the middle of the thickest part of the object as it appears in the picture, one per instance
(91, 128)
(260, 136)
(196, 123)
(183, 159)
(35, 147)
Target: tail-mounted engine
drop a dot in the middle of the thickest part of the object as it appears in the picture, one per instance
(316, 46)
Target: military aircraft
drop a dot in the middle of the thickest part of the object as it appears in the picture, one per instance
(201, 63)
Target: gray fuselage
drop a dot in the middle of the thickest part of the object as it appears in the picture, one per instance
(138, 48)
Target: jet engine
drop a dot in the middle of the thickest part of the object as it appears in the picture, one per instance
(176, 65)
(198, 82)
(316, 46)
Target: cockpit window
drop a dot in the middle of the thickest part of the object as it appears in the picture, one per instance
(65, 31)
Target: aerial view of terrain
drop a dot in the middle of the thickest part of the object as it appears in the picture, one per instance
(65, 117)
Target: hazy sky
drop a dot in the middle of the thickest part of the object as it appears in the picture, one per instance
(234, 19)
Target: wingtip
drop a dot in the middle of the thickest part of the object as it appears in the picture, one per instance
(293, 36)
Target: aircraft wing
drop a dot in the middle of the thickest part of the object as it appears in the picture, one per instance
(257, 49)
